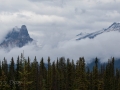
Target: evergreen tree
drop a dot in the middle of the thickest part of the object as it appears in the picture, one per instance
(24, 74)
(62, 74)
(53, 77)
(12, 74)
(17, 75)
(0, 69)
(49, 79)
(4, 84)
(69, 76)
(81, 82)
(43, 75)
(35, 76)
(5, 66)
(95, 75)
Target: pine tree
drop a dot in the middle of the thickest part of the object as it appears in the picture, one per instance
(81, 75)
(53, 77)
(109, 75)
(57, 74)
(12, 74)
(43, 75)
(62, 74)
(35, 76)
(0, 69)
(24, 74)
(88, 78)
(4, 84)
(117, 87)
(69, 76)
(5, 66)
(30, 70)
(95, 75)
(17, 75)
(49, 80)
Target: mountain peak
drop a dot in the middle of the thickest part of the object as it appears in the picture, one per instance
(23, 27)
(114, 27)
(23, 31)
(17, 37)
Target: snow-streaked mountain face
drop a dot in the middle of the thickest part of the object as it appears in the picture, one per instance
(18, 37)
(114, 27)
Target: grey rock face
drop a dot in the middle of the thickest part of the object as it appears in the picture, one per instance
(114, 27)
(17, 37)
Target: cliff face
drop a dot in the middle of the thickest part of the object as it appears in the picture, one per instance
(18, 37)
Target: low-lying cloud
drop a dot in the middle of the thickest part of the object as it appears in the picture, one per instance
(103, 46)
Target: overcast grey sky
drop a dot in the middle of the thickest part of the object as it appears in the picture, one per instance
(60, 14)
(53, 23)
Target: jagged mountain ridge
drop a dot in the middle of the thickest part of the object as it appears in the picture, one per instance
(18, 37)
(114, 27)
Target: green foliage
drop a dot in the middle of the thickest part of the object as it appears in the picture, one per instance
(4, 85)
(60, 74)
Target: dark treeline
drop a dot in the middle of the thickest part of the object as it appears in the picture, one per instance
(58, 75)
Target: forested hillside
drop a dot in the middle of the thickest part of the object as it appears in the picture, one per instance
(61, 74)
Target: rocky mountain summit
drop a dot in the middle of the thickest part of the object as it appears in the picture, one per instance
(114, 27)
(18, 37)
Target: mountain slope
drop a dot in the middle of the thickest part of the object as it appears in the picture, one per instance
(18, 37)
(114, 27)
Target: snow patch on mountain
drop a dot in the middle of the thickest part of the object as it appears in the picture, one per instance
(114, 27)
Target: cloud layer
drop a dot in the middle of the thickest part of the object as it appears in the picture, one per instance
(54, 24)
(103, 46)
